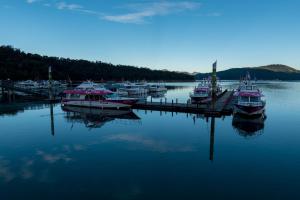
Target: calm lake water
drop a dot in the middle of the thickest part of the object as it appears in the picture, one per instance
(152, 155)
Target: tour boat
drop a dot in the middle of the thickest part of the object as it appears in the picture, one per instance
(249, 99)
(203, 92)
(157, 88)
(90, 94)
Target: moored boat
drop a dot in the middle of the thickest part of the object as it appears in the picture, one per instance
(157, 88)
(134, 88)
(89, 94)
(203, 92)
(249, 99)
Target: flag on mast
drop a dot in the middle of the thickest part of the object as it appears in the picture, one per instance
(215, 66)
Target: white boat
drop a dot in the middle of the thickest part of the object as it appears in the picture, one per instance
(249, 99)
(157, 88)
(134, 88)
(203, 92)
(93, 95)
(28, 84)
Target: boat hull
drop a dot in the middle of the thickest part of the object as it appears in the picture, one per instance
(97, 104)
(249, 110)
(203, 98)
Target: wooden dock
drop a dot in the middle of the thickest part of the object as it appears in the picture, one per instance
(223, 106)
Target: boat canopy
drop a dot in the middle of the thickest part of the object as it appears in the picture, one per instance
(85, 92)
(250, 94)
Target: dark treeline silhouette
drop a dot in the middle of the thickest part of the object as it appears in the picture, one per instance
(269, 72)
(18, 65)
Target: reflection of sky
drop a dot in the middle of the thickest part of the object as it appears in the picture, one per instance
(125, 159)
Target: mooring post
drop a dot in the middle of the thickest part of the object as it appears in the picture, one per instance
(160, 101)
(151, 99)
(214, 84)
(176, 101)
(172, 102)
(165, 100)
(9, 95)
(50, 83)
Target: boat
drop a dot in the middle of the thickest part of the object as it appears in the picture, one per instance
(249, 98)
(90, 94)
(157, 88)
(203, 92)
(134, 88)
(28, 84)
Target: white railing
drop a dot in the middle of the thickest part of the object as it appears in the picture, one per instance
(250, 103)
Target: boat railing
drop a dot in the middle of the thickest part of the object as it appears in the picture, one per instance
(246, 103)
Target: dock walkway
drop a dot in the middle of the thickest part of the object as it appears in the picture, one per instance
(221, 106)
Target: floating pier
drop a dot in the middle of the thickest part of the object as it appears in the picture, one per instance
(221, 107)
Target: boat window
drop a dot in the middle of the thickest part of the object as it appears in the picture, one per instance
(244, 99)
(74, 96)
(254, 99)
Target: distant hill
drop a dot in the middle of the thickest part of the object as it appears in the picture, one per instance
(18, 65)
(268, 72)
(279, 68)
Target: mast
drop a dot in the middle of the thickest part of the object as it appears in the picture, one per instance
(214, 84)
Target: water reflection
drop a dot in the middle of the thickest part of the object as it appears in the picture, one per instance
(212, 139)
(248, 127)
(15, 108)
(96, 118)
(158, 95)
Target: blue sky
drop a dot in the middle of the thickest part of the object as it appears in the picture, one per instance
(175, 35)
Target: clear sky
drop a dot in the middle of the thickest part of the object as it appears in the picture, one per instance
(175, 35)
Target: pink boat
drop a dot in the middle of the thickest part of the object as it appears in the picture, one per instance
(89, 94)
(202, 93)
(249, 99)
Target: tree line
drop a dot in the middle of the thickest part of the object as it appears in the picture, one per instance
(18, 65)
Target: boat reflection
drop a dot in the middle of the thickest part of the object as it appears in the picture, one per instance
(248, 127)
(96, 118)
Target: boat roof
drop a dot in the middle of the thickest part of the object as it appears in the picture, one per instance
(250, 94)
(86, 92)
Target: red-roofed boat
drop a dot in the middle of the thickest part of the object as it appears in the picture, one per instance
(89, 94)
(203, 92)
(249, 99)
